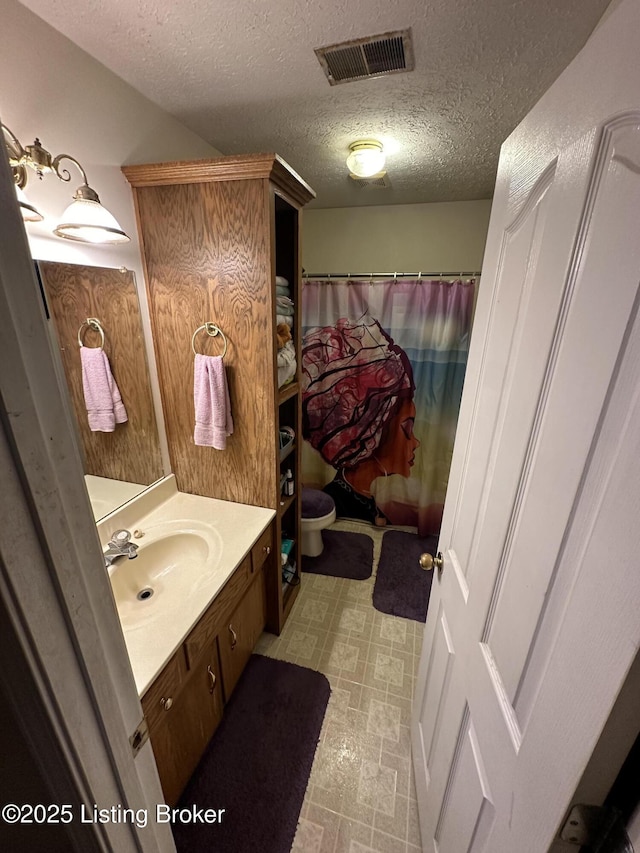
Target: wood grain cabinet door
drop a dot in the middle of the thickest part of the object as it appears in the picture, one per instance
(180, 735)
(238, 639)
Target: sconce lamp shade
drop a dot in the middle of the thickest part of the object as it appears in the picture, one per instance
(87, 221)
(366, 158)
(28, 211)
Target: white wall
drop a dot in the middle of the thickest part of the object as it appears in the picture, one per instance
(52, 89)
(443, 237)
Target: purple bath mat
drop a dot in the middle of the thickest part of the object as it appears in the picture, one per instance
(258, 763)
(345, 555)
(401, 587)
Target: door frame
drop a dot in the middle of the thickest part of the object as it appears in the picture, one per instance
(73, 681)
(610, 753)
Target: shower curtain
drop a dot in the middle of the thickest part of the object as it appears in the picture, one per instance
(383, 365)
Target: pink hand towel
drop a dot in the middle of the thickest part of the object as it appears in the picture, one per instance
(101, 395)
(211, 401)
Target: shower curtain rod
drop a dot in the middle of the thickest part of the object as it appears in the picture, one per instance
(387, 275)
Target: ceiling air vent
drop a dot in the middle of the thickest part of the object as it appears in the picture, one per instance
(375, 182)
(374, 56)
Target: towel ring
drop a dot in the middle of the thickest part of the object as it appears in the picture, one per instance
(212, 330)
(92, 323)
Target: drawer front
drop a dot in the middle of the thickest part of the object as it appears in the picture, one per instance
(213, 620)
(159, 698)
(262, 549)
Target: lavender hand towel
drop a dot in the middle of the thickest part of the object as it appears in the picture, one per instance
(212, 404)
(102, 397)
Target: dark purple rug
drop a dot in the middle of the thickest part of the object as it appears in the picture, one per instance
(258, 763)
(401, 587)
(345, 555)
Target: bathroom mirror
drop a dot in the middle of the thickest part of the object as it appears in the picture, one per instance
(120, 464)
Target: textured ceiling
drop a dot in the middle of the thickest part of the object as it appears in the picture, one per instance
(243, 75)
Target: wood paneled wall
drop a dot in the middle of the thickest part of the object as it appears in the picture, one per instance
(75, 292)
(208, 255)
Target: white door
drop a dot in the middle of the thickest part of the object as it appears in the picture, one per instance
(534, 621)
(633, 830)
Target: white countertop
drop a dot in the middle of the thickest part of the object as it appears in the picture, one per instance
(235, 526)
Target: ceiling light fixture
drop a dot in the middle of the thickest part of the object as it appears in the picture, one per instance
(85, 220)
(366, 158)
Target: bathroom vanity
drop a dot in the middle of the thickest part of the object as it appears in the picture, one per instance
(192, 606)
(185, 702)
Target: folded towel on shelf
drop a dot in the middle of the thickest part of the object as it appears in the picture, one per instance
(282, 290)
(284, 318)
(102, 397)
(286, 363)
(211, 401)
(284, 306)
(281, 281)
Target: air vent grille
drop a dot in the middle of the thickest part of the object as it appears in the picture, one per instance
(385, 55)
(345, 64)
(374, 56)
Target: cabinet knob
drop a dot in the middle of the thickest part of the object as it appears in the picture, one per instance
(166, 703)
(267, 549)
(212, 679)
(234, 637)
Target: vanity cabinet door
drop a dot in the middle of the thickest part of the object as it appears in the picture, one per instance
(181, 733)
(238, 639)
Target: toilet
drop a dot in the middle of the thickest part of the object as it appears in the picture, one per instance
(318, 512)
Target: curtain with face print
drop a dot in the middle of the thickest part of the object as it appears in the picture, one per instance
(383, 365)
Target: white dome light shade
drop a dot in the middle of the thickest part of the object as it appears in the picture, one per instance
(366, 158)
(87, 221)
(28, 211)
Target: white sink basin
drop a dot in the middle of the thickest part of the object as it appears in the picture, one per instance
(173, 561)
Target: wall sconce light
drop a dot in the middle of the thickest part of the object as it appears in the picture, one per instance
(366, 158)
(85, 220)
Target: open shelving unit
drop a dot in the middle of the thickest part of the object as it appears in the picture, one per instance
(289, 401)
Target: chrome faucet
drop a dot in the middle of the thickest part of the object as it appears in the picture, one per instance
(119, 546)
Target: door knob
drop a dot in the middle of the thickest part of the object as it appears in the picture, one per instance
(427, 562)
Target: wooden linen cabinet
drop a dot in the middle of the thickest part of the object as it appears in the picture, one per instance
(214, 235)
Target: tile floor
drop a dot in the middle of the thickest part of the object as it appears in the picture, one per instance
(361, 796)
